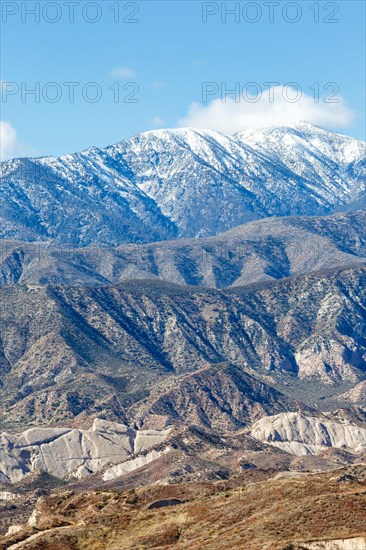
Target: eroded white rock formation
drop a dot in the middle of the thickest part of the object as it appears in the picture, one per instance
(64, 451)
(298, 434)
(131, 465)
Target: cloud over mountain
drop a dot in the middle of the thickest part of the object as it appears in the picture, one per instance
(277, 104)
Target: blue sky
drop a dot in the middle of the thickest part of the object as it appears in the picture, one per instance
(167, 56)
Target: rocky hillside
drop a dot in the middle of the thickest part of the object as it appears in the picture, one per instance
(180, 183)
(256, 511)
(262, 250)
(126, 349)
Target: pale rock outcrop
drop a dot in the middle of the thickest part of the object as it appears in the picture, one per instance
(357, 394)
(134, 464)
(63, 452)
(14, 529)
(317, 354)
(6, 496)
(358, 543)
(298, 434)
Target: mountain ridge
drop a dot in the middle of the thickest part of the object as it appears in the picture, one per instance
(262, 250)
(170, 184)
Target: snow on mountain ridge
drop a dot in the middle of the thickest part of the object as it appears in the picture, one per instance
(328, 143)
(182, 182)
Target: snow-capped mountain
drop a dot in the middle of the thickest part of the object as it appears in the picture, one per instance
(306, 149)
(181, 183)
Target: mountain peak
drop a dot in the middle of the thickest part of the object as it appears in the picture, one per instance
(302, 127)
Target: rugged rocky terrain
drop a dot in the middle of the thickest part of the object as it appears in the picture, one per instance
(108, 450)
(232, 353)
(180, 183)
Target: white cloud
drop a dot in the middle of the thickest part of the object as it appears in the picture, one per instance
(10, 146)
(157, 121)
(122, 72)
(8, 140)
(274, 105)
